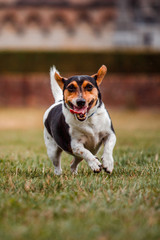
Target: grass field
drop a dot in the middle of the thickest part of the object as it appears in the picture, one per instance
(36, 204)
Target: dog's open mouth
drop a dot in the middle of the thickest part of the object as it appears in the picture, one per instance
(81, 113)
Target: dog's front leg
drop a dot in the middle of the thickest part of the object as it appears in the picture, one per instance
(74, 164)
(80, 151)
(107, 157)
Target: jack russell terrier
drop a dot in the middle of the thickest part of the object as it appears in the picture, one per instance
(78, 122)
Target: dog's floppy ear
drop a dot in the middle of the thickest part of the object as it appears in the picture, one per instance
(60, 80)
(100, 74)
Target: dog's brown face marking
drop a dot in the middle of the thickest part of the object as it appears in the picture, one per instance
(89, 93)
(86, 90)
(71, 92)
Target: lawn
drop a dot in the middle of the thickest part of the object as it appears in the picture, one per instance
(36, 204)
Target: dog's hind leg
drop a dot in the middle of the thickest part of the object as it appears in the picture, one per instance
(107, 158)
(55, 156)
(54, 152)
(74, 164)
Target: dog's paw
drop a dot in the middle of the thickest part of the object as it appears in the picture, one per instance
(108, 165)
(57, 171)
(95, 165)
(74, 170)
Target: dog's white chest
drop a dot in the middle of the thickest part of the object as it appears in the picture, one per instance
(90, 134)
(88, 137)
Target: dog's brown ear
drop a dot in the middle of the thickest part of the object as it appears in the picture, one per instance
(100, 74)
(60, 80)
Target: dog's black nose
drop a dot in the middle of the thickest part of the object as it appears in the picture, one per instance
(81, 102)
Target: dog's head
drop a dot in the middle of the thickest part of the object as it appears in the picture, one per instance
(81, 93)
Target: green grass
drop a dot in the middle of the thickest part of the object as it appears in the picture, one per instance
(36, 204)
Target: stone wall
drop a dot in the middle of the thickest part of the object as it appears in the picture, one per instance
(118, 90)
(79, 24)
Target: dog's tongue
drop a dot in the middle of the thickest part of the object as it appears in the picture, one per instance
(77, 110)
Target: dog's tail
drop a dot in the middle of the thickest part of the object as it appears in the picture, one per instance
(56, 90)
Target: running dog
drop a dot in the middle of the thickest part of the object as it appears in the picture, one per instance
(78, 122)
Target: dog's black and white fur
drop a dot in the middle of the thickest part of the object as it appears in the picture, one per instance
(76, 126)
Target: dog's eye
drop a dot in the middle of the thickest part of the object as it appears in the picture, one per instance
(88, 87)
(71, 88)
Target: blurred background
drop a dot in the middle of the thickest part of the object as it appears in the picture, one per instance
(78, 36)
